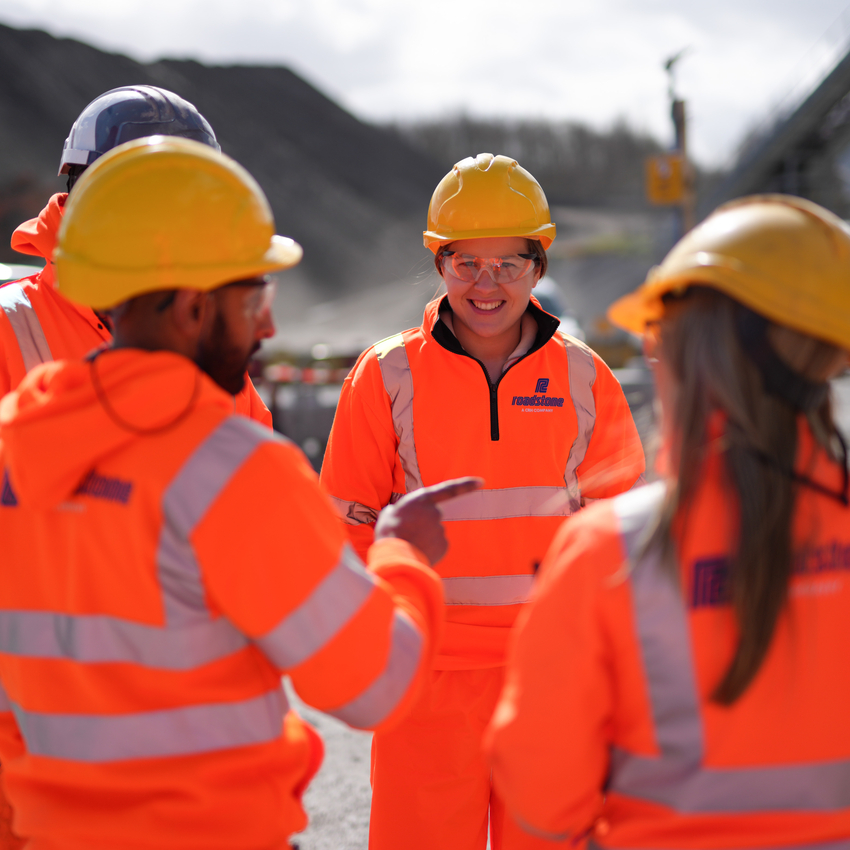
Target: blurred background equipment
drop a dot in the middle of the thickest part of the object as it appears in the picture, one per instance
(670, 176)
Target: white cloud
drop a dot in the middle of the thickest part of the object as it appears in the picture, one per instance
(388, 59)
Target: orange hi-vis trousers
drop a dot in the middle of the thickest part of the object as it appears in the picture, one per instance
(431, 785)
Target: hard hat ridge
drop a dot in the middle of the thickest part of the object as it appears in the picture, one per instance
(165, 213)
(485, 196)
(131, 112)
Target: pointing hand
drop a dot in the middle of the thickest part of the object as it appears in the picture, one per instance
(416, 517)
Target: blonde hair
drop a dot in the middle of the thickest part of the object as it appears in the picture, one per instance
(700, 344)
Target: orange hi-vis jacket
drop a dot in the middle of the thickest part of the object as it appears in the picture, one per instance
(38, 325)
(164, 562)
(553, 431)
(606, 724)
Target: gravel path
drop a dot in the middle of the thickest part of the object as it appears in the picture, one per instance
(338, 799)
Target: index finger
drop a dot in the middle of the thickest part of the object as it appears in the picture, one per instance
(446, 490)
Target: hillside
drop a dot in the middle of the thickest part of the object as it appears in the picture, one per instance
(353, 194)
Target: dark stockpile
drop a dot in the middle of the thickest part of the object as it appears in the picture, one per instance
(353, 194)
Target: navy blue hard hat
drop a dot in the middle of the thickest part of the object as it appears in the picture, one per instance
(131, 112)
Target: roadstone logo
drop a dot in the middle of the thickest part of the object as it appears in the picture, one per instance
(539, 402)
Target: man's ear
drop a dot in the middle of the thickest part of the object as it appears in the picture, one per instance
(189, 311)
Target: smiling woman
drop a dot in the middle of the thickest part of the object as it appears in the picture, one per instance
(450, 398)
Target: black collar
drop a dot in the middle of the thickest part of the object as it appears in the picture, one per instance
(547, 324)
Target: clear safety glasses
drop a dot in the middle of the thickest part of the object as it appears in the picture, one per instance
(651, 341)
(469, 268)
(259, 299)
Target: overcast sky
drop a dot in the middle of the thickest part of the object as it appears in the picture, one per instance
(594, 61)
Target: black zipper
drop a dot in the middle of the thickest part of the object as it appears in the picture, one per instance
(546, 324)
(494, 392)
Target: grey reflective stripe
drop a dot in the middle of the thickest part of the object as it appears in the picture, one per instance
(678, 777)
(99, 738)
(353, 513)
(201, 479)
(582, 372)
(191, 637)
(539, 833)
(398, 382)
(377, 702)
(333, 602)
(635, 510)
(24, 321)
(505, 503)
(5, 704)
(488, 590)
(688, 786)
(96, 638)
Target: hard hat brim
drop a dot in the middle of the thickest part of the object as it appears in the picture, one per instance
(434, 240)
(102, 288)
(806, 314)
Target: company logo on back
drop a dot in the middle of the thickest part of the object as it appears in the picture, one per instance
(539, 402)
(7, 494)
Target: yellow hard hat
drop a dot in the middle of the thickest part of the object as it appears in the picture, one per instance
(783, 257)
(488, 196)
(164, 213)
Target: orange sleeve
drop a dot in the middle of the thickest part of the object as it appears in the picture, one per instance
(277, 564)
(360, 456)
(11, 362)
(614, 461)
(11, 748)
(248, 403)
(549, 737)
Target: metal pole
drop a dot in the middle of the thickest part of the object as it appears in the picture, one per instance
(688, 197)
(677, 113)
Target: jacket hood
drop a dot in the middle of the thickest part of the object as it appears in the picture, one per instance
(54, 429)
(37, 237)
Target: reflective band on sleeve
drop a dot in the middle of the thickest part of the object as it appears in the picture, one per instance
(506, 503)
(488, 590)
(353, 513)
(378, 700)
(24, 321)
(196, 486)
(99, 738)
(398, 382)
(334, 601)
(582, 372)
(96, 638)
(5, 704)
(678, 778)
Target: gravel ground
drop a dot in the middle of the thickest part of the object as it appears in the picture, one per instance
(338, 799)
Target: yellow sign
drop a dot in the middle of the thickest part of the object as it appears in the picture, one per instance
(665, 179)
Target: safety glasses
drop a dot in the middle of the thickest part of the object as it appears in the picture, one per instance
(260, 297)
(469, 268)
(651, 341)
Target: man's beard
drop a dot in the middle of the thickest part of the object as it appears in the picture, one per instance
(224, 361)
